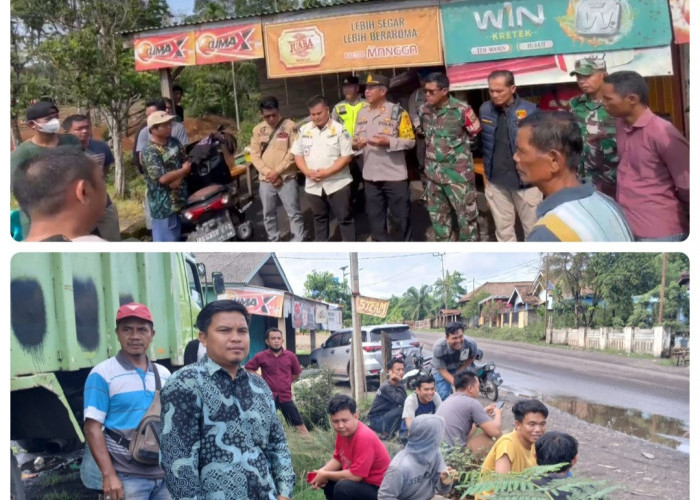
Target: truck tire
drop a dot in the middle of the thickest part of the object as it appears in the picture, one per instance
(16, 484)
(33, 445)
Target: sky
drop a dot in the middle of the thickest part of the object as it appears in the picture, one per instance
(181, 6)
(385, 274)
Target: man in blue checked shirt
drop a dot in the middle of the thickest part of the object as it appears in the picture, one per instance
(117, 394)
(221, 436)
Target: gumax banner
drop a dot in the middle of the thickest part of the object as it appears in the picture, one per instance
(259, 302)
(355, 42)
(485, 30)
(231, 43)
(166, 51)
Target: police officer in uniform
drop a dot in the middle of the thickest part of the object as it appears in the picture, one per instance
(383, 132)
(346, 112)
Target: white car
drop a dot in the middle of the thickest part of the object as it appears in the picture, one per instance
(334, 353)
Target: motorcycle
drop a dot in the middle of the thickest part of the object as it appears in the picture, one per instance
(416, 365)
(489, 378)
(213, 211)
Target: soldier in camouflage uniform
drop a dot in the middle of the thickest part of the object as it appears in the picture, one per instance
(449, 125)
(599, 159)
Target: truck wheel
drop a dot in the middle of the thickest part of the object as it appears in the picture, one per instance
(33, 445)
(16, 485)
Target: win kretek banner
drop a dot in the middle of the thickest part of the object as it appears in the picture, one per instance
(258, 302)
(355, 42)
(165, 51)
(486, 30)
(231, 43)
(542, 70)
(373, 307)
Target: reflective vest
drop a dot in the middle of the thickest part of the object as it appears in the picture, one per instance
(347, 114)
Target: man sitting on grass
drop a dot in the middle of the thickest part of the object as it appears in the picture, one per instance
(359, 461)
(385, 414)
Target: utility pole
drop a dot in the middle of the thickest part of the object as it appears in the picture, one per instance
(343, 268)
(663, 288)
(547, 334)
(357, 362)
(444, 283)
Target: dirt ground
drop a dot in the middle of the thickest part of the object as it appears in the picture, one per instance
(644, 469)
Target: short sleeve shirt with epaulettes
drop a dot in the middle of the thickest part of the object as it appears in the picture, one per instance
(448, 157)
(320, 149)
(599, 159)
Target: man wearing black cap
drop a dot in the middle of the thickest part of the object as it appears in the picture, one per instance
(383, 132)
(42, 118)
(346, 112)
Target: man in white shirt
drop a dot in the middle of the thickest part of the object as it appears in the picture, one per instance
(322, 151)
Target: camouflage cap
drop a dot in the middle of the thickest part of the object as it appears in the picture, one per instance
(588, 66)
(376, 79)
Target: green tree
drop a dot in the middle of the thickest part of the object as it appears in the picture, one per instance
(452, 286)
(471, 310)
(324, 286)
(89, 63)
(418, 303)
(574, 285)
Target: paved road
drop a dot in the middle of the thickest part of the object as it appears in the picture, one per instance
(618, 381)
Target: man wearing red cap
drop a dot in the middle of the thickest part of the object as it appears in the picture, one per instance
(117, 394)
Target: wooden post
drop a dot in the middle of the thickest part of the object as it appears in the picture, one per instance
(165, 81)
(386, 353)
(357, 362)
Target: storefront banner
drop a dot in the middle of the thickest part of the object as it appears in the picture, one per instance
(373, 307)
(680, 15)
(304, 314)
(355, 42)
(321, 314)
(555, 69)
(335, 319)
(167, 51)
(486, 30)
(231, 43)
(259, 302)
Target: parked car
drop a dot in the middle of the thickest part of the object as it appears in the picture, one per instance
(334, 353)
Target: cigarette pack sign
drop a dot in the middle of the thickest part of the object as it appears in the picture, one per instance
(362, 41)
(485, 30)
(232, 43)
(373, 307)
(164, 51)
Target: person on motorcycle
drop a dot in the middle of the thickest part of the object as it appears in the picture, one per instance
(451, 354)
(463, 414)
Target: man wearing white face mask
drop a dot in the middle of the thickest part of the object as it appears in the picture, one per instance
(42, 118)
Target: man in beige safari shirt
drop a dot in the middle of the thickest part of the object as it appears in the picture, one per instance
(323, 150)
(270, 153)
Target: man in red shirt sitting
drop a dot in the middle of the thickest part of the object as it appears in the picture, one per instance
(359, 461)
(279, 368)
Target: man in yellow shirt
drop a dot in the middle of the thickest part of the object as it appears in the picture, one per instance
(515, 451)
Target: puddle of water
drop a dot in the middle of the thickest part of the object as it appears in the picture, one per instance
(669, 432)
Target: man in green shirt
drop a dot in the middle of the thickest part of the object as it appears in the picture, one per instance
(599, 159)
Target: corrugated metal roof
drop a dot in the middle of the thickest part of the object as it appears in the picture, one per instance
(272, 12)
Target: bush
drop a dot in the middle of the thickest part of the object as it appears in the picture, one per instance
(309, 452)
(617, 322)
(311, 394)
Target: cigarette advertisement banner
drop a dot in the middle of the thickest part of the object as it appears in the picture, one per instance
(157, 52)
(680, 15)
(232, 43)
(356, 42)
(373, 307)
(259, 302)
(304, 315)
(486, 30)
(555, 69)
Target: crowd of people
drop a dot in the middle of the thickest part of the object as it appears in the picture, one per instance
(609, 169)
(221, 436)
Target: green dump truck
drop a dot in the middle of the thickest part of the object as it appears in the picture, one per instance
(63, 307)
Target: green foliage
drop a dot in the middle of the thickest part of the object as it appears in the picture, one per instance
(309, 453)
(418, 303)
(532, 484)
(311, 397)
(471, 310)
(451, 286)
(324, 286)
(532, 333)
(460, 458)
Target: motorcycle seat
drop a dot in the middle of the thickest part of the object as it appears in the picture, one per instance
(205, 193)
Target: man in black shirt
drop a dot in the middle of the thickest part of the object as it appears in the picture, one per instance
(385, 414)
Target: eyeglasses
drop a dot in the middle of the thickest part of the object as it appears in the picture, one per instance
(433, 91)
